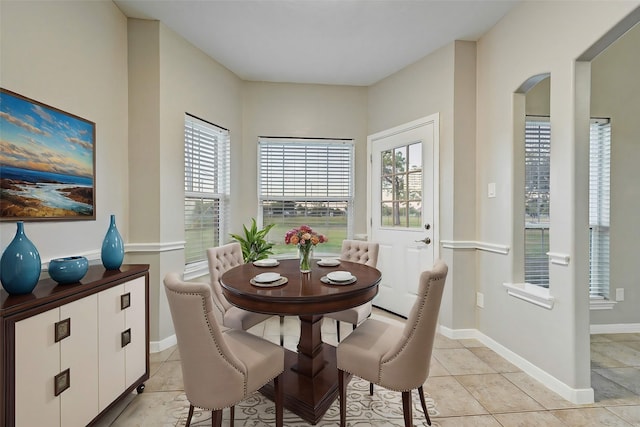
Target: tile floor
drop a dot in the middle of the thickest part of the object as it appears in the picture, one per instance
(471, 384)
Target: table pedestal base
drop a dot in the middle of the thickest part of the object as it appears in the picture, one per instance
(308, 397)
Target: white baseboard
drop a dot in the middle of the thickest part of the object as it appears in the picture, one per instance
(158, 346)
(574, 395)
(619, 328)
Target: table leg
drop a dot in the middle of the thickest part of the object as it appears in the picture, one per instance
(310, 377)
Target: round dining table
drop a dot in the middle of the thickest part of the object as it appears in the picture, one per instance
(310, 378)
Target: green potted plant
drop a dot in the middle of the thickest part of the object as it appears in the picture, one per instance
(254, 243)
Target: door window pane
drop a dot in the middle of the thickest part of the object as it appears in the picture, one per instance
(401, 187)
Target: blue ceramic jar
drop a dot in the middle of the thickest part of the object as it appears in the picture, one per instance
(68, 270)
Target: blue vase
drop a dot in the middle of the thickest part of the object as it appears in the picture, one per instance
(20, 264)
(68, 270)
(112, 247)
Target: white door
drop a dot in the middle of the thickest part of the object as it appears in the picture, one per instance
(403, 203)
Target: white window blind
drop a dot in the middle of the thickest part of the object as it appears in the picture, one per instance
(599, 206)
(537, 199)
(206, 186)
(306, 181)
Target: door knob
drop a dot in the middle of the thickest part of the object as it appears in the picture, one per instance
(426, 240)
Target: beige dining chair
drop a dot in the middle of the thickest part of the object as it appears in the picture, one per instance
(220, 366)
(394, 357)
(221, 259)
(364, 253)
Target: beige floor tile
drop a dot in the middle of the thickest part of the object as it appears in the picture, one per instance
(451, 399)
(607, 392)
(474, 421)
(628, 378)
(529, 419)
(601, 360)
(498, 394)
(175, 355)
(624, 337)
(631, 414)
(471, 343)
(162, 355)
(168, 378)
(495, 361)
(160, 409)
(436, 369)
(461, 361)
(617, 351)
(590, 417)
(600, 338)
(541, 394)
(443, 342)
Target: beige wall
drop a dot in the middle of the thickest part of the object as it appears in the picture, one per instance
(169, 77)
(73, 56)
(615, 93)
(301, 110)
(557, 340)
(444, 83)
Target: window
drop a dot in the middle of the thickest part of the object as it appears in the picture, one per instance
(401, 187)
(306, 181)
(599, 197)
(206, 186)
(537, 198)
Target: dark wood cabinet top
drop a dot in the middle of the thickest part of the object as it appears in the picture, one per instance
(48, 291)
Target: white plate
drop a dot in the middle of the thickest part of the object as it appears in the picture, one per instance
(269, 262)
(339, 276)
(328, 262)
(267, 277)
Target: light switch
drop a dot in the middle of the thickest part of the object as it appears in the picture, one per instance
(619, 294)
(491, 189)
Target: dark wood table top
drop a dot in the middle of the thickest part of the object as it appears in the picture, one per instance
(303, 294)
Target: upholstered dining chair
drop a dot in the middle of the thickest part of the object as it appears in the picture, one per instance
(220, 366)
(394, 357)
(221, 259)
(364, 253)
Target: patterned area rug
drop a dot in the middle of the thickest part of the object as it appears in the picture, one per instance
(384, 408)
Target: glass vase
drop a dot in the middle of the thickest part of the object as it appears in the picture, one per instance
(306, 255)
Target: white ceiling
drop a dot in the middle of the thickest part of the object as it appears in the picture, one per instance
(342, 42)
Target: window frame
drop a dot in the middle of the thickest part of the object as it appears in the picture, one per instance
(599, 208)
(341, 195)
(539, 275)
(205, 181)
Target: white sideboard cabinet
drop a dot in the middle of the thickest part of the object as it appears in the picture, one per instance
(70, 352)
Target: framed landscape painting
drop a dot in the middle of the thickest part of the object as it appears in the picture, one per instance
(47, 162)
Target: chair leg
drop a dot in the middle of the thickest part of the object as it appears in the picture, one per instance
(216, 418)
(338, 329)
(279, 397)
(342, 395)
(232, 415)
(406, 409)
(370, 389)
(424, 404)
(281, 331)
(189, 416)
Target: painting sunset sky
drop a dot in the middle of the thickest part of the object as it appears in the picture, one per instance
(44, 140)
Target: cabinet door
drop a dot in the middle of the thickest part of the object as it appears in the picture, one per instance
(79, 353)
(111, 324)
(37, 362)
(135, 319)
